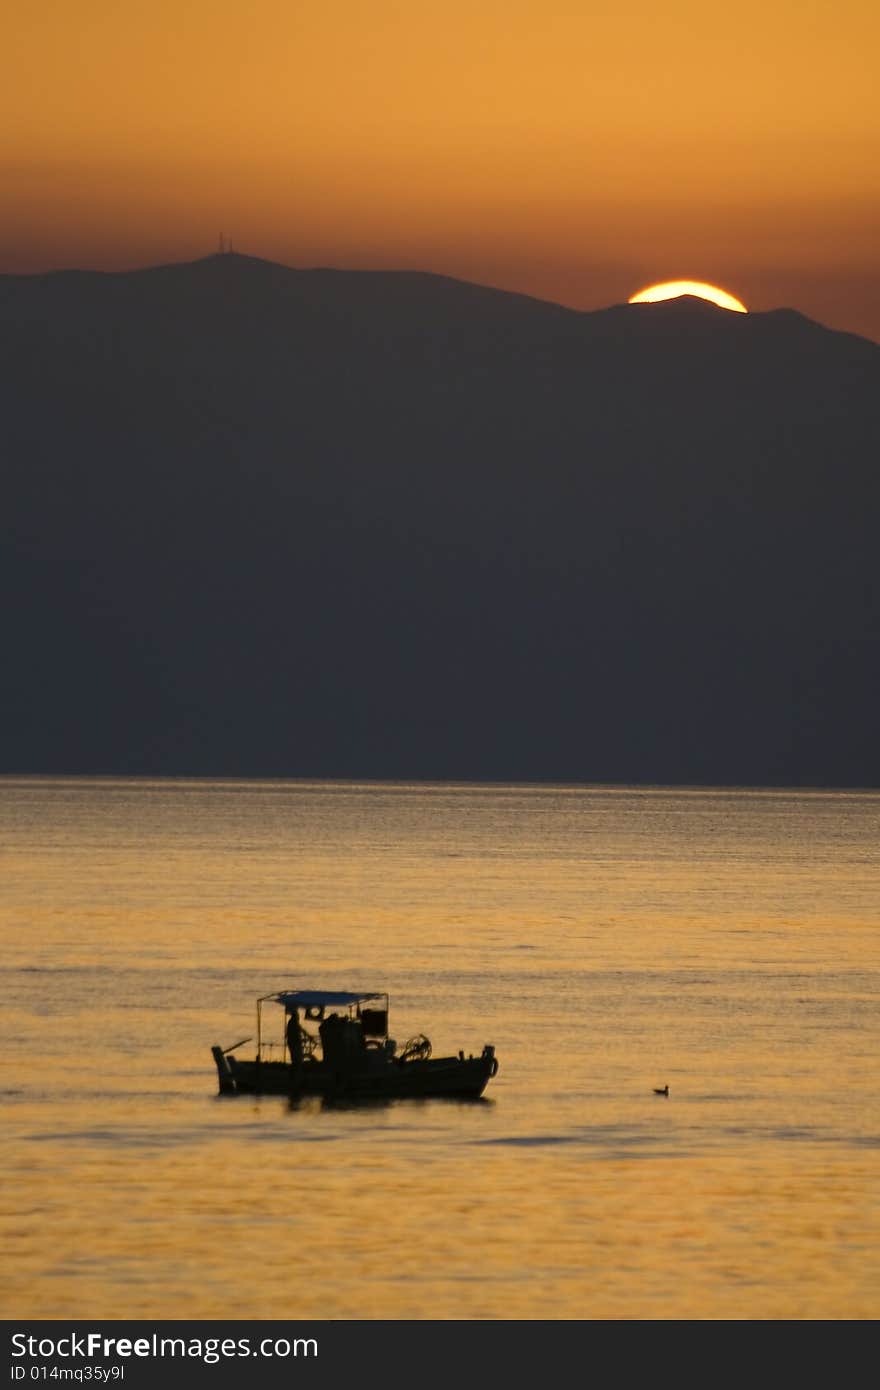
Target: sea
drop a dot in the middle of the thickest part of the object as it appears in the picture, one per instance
(607, 941)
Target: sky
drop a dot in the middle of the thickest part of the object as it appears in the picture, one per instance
(576, 150)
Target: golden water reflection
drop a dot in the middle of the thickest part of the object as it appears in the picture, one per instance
(606, 941)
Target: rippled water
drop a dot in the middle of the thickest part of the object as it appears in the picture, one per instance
(607, 941)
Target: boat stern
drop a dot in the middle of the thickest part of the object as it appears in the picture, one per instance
(224, 1071)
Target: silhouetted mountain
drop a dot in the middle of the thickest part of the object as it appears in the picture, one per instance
(261, 521)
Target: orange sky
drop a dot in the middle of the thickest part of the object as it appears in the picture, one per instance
(576, 149)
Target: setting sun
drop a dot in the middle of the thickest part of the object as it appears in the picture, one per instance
(673, 289)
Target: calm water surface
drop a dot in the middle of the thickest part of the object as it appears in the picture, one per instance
(607, 941)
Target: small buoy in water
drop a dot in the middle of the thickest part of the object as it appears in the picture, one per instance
(661, 1090)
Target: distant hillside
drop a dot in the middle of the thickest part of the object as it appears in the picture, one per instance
(263, 521)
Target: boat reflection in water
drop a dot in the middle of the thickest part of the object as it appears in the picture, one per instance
(336, 1045)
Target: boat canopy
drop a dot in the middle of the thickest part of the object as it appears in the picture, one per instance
(319, 998)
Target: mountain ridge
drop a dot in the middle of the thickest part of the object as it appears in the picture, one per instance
(502, 539)
(233, 261)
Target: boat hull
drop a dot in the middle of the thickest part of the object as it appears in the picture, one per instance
(384, 1078)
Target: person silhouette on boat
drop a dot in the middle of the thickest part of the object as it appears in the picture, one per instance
(295, 1048)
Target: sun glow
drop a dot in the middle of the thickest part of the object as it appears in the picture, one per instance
(673, 289)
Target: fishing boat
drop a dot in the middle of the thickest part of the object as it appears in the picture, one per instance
(336, 1045)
